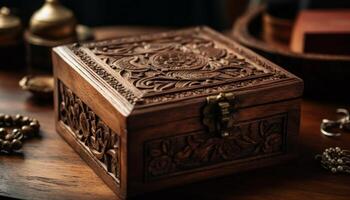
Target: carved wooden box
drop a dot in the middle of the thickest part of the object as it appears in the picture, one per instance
(160, 110)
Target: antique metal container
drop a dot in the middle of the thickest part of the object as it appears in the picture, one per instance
(53, 21)
(10, 27)
(11, 43)
(52, 25)
(154, 111)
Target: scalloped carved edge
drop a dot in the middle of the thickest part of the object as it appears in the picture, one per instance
(112, 81)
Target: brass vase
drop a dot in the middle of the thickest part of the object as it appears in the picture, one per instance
(11, 43)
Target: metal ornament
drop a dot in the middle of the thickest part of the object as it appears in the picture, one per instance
(342, 123)
(10, 27)
(53, 21)
(24, 128)
(218, 112)
(41, 86)
(335, 159)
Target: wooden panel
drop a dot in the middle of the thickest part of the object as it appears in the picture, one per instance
(90, 131)
(103, 107)
(182, 151)
(178, 154)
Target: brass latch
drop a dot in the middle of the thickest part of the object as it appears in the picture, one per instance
(217, 113)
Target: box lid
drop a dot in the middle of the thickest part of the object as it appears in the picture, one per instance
(158, 71)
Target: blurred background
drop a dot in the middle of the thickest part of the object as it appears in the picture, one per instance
(310, 38)
(218, 14)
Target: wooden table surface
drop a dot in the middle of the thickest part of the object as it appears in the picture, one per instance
(48, 168)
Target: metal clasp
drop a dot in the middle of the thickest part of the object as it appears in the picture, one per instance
(217, 113)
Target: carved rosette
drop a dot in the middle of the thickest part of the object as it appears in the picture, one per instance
(177, 60)
(90, 131)
(174, 65)
(178, 154)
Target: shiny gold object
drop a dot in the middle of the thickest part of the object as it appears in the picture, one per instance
(10, 27)
(83, 33)
(52, 25)
(40, 41)
(40, 85)
(217, 113)
(53, 21)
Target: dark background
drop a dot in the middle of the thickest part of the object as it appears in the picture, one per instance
(218, 14)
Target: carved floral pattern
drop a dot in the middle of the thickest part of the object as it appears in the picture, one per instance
(90, 131)
(177, 154)
(175, 65)
(177, 60)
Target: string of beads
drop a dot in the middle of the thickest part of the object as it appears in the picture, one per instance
(22, 128)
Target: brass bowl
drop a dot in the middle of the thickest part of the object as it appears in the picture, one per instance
(40, 86)
(325, 75)
(83, 33)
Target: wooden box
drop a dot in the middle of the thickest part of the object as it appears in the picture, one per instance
(154, 111)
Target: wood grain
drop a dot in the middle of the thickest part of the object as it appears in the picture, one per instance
(50, 169)
(47, 168)
(113, 79)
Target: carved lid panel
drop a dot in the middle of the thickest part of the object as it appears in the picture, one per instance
(159, 68)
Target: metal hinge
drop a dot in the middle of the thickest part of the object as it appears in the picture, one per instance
(217, 113)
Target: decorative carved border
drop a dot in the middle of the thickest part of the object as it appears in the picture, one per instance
(111, 80)
(128, 94)
(101, 142)
(180, 154)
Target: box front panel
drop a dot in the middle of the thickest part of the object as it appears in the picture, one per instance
(185, 151)
(177, 155)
